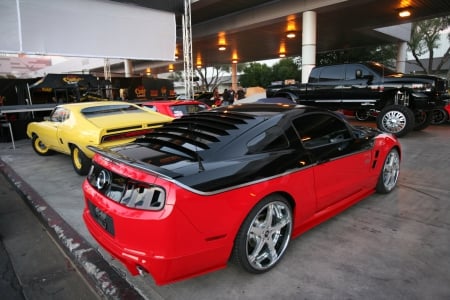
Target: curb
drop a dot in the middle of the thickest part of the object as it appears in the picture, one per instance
(97, 272)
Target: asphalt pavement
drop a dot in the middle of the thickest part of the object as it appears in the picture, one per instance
(33, 264)
(394, 246)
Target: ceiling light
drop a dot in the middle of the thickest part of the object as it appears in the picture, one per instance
(222, 47)
(290, 34)
(170, 68)
(404, 12)
(282, 54)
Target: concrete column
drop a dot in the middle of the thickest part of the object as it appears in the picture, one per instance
(309, 40)
(128, 67)
(234, 83)
(401, 57)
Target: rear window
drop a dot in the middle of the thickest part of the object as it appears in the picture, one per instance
(181, 110)
(108, 110)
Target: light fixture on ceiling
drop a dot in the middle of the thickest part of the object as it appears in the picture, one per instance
(171, 68)
(148, 71)
(234, 57)
(176, 52)
(404, 12)
(282, 49)
(291, 34)
(222, 41)
(199, 63)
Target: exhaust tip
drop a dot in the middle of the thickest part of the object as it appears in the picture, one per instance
(141, 270)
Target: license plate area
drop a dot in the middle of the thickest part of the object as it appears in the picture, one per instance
(105, 221)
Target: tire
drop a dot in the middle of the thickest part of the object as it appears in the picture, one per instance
(362, 115)
(438, 116)
(264, 236)
(422, 119)
(389, 173)
(396, 119)
(39, 147)
(81, 163)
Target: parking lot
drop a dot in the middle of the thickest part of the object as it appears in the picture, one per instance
(394, 246)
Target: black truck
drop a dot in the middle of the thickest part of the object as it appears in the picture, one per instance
(400, 102)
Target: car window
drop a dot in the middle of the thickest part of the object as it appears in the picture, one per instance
(352, 70)
(269, 140)
(332, 73)
(181, 110)
(151, 107)
(60, 114)
(314, 76)
(108, 109)
(325, 135)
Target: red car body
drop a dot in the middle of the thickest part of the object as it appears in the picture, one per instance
(196, 229)
(176, 108)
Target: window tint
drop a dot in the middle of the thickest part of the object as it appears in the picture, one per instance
(351, 70)
(317, 130)
(269, 140)
(314, 76)
(332, 73)
(181, 110)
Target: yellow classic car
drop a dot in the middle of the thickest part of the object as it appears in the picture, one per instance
(70, 128)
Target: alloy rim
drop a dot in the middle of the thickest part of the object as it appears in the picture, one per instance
(394, 121)
(269, 235)
(391, 170)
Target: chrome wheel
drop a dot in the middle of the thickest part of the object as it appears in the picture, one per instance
(389, 174)
(396, 119)
(264, 235)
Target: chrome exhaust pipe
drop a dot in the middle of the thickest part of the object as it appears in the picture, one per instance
(140, 270)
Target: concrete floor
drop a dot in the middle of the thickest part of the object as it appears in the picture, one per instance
(394, 246)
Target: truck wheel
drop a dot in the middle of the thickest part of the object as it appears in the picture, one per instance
(422, 119)
(396, 119)
(438, 116)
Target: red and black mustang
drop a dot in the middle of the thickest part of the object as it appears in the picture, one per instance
(236, 182)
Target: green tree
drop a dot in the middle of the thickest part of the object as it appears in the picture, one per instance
(425, 38)
(287, 68)
(385, 54)
(211, 77)
(256, 74)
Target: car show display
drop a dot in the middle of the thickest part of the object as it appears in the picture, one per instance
(234, 182)
(70, 128)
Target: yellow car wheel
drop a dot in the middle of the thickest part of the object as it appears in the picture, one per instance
(81, 163)
(39, 147)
